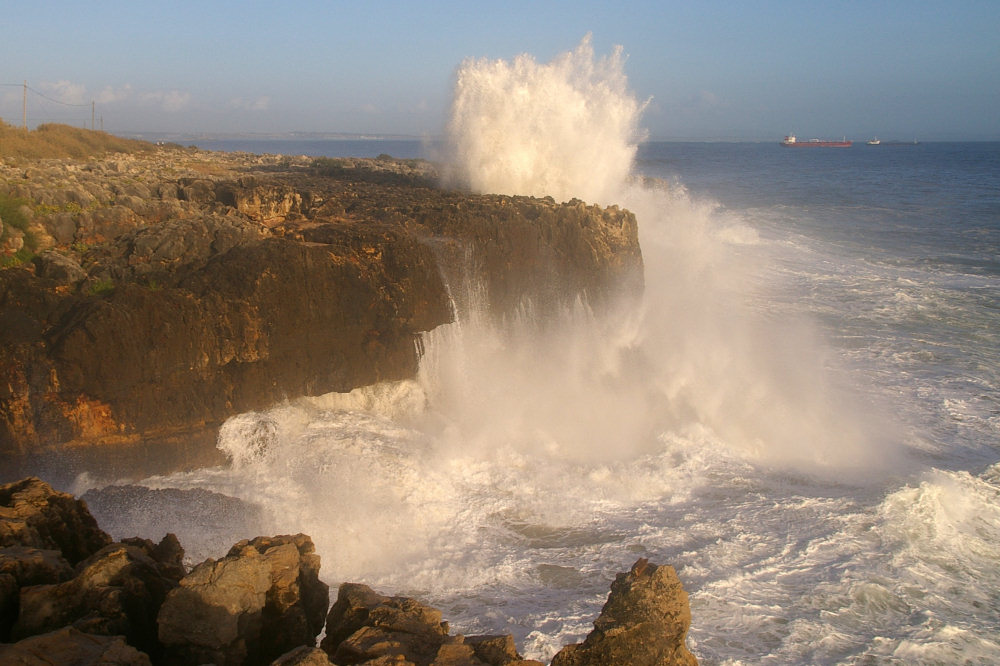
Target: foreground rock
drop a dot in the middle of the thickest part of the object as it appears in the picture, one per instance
(644, 623)
(173, 290)
(132, 603)
(364, 627)
(260, 601)
(70, 646)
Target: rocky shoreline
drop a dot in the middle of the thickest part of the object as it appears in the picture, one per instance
(70, 595)
(161, 292)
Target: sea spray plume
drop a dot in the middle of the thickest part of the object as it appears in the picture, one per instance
(564, 129)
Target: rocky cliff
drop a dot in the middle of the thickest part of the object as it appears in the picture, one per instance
(159, 294)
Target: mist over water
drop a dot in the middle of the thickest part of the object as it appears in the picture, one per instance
(700, 352)
(710, 425)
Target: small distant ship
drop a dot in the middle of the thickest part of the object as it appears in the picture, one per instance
(874, 142)
(791, 140)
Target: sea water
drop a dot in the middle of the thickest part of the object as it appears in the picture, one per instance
(801, 415)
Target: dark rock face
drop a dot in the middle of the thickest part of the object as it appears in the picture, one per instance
(118, 591)
(643, 623)
(172, 300)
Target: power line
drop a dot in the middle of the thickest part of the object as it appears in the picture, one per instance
(27, 88)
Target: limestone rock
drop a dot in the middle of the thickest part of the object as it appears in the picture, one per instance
(71, 646)
(58, 267)
(643, 623)
(22, 566)
(297, 600)
(33, 514)
(222, 283)
(364, 627)
(118, 591)
(303, 656)
(260, 601)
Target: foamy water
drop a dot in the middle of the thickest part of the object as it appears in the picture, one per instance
(761, 421)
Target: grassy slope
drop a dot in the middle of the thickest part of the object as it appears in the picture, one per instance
(53, 140)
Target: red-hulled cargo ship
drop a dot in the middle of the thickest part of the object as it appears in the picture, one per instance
(790, 140)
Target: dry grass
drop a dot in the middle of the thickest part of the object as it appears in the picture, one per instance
(54, 140)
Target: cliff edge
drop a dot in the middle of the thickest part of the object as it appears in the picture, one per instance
(148, 297)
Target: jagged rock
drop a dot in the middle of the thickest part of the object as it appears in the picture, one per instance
(215, 614)
(263, 599)
(21, 566)
(364, 627)
(297, 600)
(498, 651)
(33, 514)
(118, 591)
(71, 646)
(643, 623)
(219, 284)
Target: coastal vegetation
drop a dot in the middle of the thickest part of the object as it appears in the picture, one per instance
(53, 140)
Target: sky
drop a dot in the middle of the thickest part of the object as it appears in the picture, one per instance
(710, 70)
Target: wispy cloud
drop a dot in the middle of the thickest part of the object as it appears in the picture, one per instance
(169, 100)
(260, 104)
(110, 95)
(66, 92)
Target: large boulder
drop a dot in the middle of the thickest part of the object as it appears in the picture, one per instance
(643, 623)
(297, 600)
(260, 601)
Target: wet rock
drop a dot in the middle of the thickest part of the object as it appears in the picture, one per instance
(71, 646)
(644, 623)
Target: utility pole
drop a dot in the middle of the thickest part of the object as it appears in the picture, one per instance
(91, 115)
(24, 107)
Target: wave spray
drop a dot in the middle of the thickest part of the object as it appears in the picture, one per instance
(534, 456)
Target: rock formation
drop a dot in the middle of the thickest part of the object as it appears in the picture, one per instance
(131, 603)
(173, 290)
(644, 623)
(364, 627)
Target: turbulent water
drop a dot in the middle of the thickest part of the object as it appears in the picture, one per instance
(801, 416)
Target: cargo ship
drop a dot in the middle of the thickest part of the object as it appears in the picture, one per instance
(790, 140)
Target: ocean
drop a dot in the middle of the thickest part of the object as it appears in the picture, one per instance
(802, 414)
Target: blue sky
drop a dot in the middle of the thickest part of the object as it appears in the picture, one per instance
(713, 70)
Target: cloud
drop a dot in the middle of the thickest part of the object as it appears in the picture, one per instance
(65, 91)
(169, 100)
(110, 95)
(260, 104)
